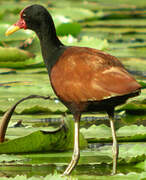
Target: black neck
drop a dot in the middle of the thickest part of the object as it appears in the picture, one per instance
(49, 42)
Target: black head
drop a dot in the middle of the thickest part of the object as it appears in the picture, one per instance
(35, 16)
(38, 19)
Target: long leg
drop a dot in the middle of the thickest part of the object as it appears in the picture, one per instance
(115, 147)
(76, 152)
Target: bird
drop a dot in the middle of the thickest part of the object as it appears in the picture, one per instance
(84, 79)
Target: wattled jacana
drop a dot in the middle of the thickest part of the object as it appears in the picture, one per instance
(84, 79)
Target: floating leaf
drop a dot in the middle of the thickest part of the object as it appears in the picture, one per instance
(134, 107)
(7, 71)
(74, 13)
(130, 118)
(97, 133)
(13, 54)
(129, 176)
(129, 52)
(135, 64)
(85, 41)
(43, 141)
(60, 19)
(102, 133)
(141, 165)
(48, 177)
(68, 28)
(4, 158)
(27, 63)
(132, 132)
(116, 23)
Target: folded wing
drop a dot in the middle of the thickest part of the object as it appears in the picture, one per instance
(85, 74)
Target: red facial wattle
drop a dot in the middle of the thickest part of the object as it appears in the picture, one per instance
(21, 24)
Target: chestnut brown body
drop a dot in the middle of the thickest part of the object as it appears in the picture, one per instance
(84, 76)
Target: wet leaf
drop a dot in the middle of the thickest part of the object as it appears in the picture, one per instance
(129, 52)
(132, 132)
(73, 13)
(60, 19)
(43, 141)
(48, 177)
(134, 107)
(129, 176)
(68, 28)
(85, 41)
(102, 133)
(141, 165)
(116, 23)
(129, 118)
(7, 71)
(135, 65)
(4, 158)
(27, 63)
(97, 133)
(14, 54)
(130, 154)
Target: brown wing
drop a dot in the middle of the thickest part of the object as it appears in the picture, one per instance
(85, 74)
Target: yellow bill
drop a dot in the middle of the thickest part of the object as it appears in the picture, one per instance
(12, 29)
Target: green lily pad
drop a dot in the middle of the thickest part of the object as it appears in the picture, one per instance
(85, 41)
(129, 118)
(129, 176)
(129, 153)
(102, 133)
(132, 132)
(97, 133)
(73, 13)
(43, 141)
(48, 177)
(135, 64)
(27, 63)
(38, 110)
(116, 23)
(4, 158)
(134, 107)
(129, 52)
(14, 54)
(60, 19)
(68, 28)
(141, 165)
(7, 71)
